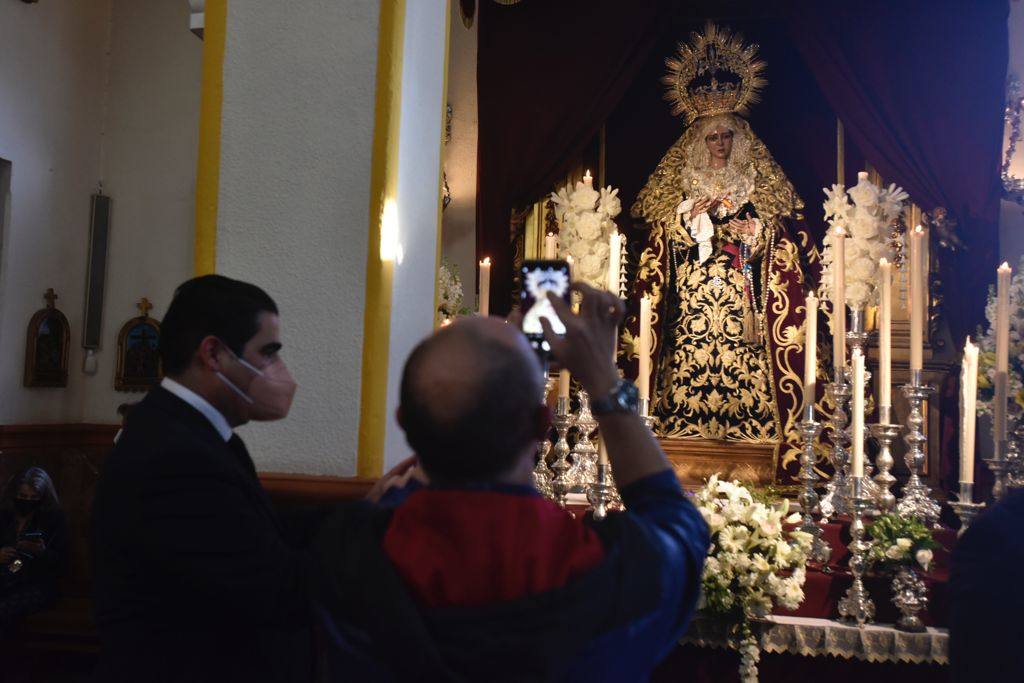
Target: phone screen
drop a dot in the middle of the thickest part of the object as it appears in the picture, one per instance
(539, 278)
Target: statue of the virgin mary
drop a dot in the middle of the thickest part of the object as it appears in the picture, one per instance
(725, 262)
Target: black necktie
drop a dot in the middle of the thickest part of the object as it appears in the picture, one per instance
(241, 453)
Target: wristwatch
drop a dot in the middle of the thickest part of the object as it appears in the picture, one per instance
(624, 398)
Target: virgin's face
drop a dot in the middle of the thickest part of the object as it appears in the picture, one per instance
(719, 142)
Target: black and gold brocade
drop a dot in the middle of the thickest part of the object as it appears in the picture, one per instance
(710, 382)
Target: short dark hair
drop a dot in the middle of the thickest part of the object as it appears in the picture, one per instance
(483, 440)
(210, 305)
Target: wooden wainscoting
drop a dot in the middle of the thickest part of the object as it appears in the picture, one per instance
(694, 460)
(290, 489)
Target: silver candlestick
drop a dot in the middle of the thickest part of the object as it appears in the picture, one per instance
(561, 483)
(857, 340)
(810, 429)
(644, 410)
(836, 500)
(601, 494)
(584, 453)
(885, 433)
(917, 501)
(856, 604)
(1000, 469)
(541, 472)
(965, 508)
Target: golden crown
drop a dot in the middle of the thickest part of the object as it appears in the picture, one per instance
(713, 73)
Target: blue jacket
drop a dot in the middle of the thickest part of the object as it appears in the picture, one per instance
(392, 613)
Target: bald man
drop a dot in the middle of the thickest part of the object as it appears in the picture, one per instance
(476, 576)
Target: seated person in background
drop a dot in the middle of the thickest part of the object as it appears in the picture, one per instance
(476, 577)
(33, 546)
(986, 642)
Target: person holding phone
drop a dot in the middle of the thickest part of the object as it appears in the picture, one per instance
(477, 577)
(33, 546)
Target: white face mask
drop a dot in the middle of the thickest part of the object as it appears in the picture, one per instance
(270, 392)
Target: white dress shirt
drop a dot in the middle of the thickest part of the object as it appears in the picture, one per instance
(190, 397)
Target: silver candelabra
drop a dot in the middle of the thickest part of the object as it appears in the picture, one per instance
(856, 604)
(810, 429)
(541, 471)
(917, 501)
(836, 500)
(857, 339)
(885, 432)
(965, 508)
(584, 453)
(561, 483)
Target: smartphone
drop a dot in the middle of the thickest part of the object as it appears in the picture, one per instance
(540, 277)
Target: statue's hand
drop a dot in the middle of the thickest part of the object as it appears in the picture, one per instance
(703, 205)
(744, 226)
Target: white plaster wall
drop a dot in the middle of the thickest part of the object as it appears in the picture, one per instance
(51, 82)
(458, 231)
(419, 181)
(150, 145)
(93, 89)
(296, 138)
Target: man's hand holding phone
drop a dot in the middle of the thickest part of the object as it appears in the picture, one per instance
(588, 345)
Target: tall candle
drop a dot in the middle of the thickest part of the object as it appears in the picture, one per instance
(572, 267)
(1003, 276)
(563, 383)
(644, 352)
(551, 246)
(614, 262)
(588, 179)
(885, 342)
(968, 403)
(839, 299)
(485, 287)
(857, 464)
(810, 355)
(916, 300)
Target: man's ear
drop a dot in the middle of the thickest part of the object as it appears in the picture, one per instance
(208, 353)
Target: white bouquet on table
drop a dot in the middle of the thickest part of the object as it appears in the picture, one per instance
(865, 212)
(753, 564)
(449, 293)
(586, 220)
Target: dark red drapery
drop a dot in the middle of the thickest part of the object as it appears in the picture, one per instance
(919, 86)
(549, 73)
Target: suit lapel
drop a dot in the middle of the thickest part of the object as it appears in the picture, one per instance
(234, 450)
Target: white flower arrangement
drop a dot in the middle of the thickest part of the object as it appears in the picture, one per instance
(586, 222)
(987, 344)
(449, 292)
(865, 212)
(753, 564)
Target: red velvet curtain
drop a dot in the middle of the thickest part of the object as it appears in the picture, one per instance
(548, 75)
(919, 86)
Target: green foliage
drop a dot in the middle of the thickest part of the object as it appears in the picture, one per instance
(899, 541)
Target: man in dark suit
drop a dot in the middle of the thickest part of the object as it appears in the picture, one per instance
(194, 580)
(986, 598)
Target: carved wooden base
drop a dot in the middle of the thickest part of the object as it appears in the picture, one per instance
(694, 460)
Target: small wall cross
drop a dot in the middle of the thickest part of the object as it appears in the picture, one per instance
(144, 307)
(51, 297)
